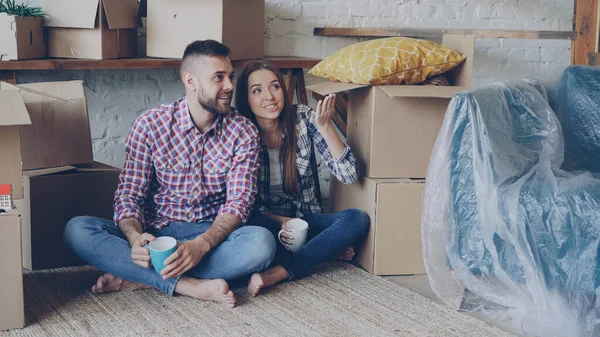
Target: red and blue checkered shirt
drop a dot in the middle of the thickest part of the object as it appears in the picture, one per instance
(173, 172)
(305, 201)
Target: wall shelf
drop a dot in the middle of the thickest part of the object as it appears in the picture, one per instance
(430, 33)
(137, 63)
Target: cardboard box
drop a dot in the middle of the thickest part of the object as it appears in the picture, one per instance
(173, 24)
(12, 311)
(393, 245)
(13, 114)
(392, 128)
(92, 29)
(60, 130)
(22, 38)
(55, 196)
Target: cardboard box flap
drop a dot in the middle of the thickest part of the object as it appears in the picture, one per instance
(8, 86)
(462, 75)
(48, 171)
(60, 131)
(96, 167)
(398, 180)
(326, 88)
(71, 14)
(12, 109)
(8, 37)
(62, 91)
(121, 14)
(420, 90)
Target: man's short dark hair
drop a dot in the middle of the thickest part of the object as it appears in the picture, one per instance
(203, 48)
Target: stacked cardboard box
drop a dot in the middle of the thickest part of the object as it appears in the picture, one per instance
(21, 38)
(391, 130)
(92, 29)
(58, 178)
(172, 25)
(12, 115)
(12, 313)
(44, 127)
(107, 29)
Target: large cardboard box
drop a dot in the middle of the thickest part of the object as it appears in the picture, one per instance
(21, 38)
(92, 29)
(173, 24)
(392, 128)
(60, 130)
(12, 312)
(55, 196)
(393, 245)
(13, 114)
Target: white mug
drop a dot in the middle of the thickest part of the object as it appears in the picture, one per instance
(299, 229)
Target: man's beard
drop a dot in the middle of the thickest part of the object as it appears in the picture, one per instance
(211, 104)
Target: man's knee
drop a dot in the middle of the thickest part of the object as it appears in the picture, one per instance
(78, 229)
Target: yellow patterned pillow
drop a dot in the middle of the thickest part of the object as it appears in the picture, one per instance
(395, 60)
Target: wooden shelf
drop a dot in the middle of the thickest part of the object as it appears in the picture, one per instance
(428, 33)
(138, 63)
(587, 25)
(594, 59)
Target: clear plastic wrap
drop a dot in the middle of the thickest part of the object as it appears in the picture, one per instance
(511, 209)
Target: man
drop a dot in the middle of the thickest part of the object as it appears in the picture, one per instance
(190, 173)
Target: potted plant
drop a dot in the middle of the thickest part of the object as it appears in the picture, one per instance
(22, 35)
(10, 7)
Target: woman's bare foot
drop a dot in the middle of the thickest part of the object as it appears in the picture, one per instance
(108, 282)
(266, 279)
(347, 254)
(206, 290)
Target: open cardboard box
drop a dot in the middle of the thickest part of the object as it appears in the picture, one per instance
(392, 128)
(92, 29)
(172, 25)
(13, 115)
(53, 197)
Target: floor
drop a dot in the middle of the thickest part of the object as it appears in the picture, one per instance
(420, 285)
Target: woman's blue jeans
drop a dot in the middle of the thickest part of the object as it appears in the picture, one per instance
(328, 235)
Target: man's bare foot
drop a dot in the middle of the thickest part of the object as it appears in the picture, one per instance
(346, 255)
(266, 279)
(206, 290)
(108, 282)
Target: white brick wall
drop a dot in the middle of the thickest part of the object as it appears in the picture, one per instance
(116, 98)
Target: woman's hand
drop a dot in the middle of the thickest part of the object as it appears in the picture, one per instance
(325, 112)
(286, 238)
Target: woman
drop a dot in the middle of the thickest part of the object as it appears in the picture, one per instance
(287, 176)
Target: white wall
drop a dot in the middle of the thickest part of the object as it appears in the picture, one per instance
(117, 97)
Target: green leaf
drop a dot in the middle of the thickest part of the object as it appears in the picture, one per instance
(11, 8)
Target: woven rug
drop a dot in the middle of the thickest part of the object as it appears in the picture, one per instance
(338, 300)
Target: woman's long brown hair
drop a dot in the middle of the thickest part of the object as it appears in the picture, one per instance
(287, 121)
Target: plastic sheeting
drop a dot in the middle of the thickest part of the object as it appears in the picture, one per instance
(511, 209)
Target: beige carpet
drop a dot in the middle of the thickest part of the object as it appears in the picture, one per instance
(339, 300)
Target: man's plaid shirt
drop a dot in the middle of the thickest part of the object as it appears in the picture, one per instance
(305, 201)
(173, 172)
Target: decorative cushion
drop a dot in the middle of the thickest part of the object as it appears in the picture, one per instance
(395, 60)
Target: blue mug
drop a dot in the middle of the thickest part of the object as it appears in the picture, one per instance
(160, 249)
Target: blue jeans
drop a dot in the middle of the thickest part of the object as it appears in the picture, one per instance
(101, 243)
(328, 235)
